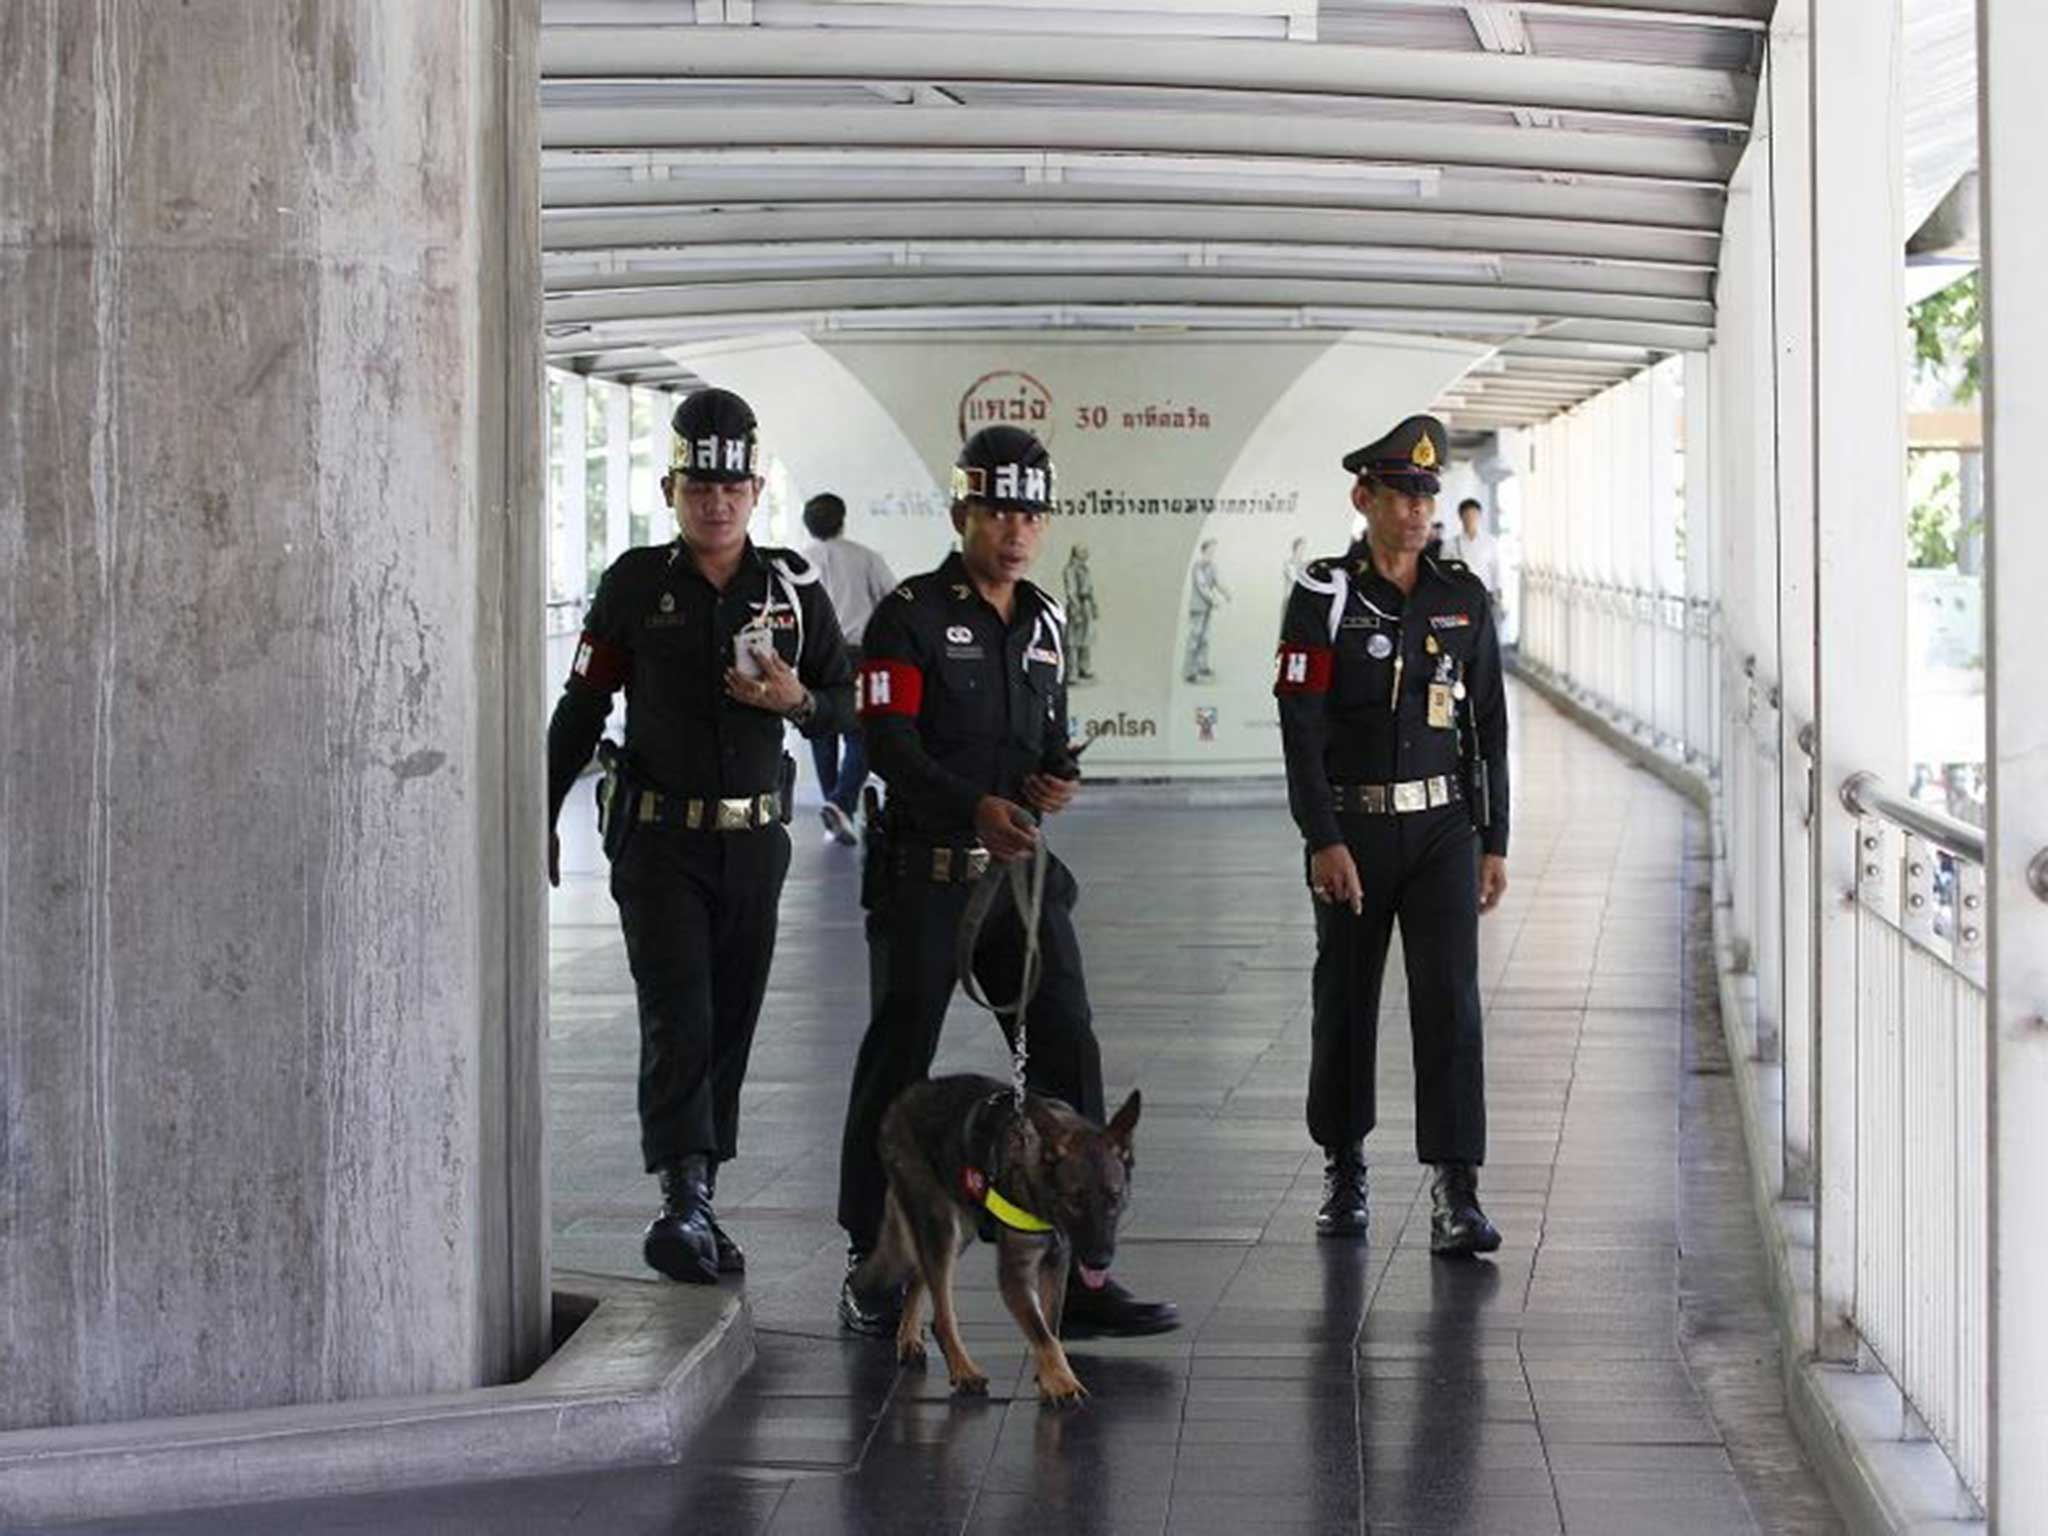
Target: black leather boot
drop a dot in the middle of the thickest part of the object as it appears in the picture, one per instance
(1343, 1212)
(732, 1258)
(873, 1314)
(1457, 1227)
(1109, 1308)
(679, 1242)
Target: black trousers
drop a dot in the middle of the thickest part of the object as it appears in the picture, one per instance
(698, 910)
(912, 928)
(1422, 871)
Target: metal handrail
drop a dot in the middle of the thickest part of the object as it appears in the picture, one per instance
(1864, 794)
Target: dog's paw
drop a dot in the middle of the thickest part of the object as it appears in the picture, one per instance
(970, 1383)
(910, 1351)
(1061, 1389)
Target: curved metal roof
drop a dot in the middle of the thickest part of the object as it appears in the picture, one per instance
(1548, 176)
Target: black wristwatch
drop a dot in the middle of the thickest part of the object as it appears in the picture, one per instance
(806, 707)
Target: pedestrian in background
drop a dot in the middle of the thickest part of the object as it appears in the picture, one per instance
(1479, 549)
(855, 578)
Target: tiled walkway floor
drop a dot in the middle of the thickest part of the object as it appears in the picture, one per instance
(1612, 1371)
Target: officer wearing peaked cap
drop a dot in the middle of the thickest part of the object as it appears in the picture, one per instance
(963, 695)
(716, 643)
(1394, 725)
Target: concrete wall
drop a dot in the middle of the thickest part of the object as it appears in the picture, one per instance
(269, 801)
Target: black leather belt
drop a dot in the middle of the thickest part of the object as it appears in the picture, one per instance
(1396, 799)
(747, 813)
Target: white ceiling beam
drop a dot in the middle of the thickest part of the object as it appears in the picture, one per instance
(1552, 348)
(1739, 15)
(573, 344)
(597, 229)
(642, 180)
(614, 360)
(1275, 19)
(1684, 315)
(1659, 159)
(567, 339)
(590, 271)
(1716, 97)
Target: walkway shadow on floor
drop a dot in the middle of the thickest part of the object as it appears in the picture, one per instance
(1447, 1435)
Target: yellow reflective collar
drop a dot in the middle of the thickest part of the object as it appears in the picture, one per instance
(1015, 1217)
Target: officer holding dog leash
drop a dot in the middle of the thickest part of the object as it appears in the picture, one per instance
(963, 695)
(1394, 723)
(716, 643)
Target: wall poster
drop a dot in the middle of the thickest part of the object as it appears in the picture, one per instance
(1195, 477)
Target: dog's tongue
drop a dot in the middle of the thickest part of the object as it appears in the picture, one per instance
(1094, 1279)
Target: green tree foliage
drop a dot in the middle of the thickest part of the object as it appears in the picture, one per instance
(1934, 512)
(1948, 338)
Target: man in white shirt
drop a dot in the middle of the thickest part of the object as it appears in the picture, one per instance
(855, 578)
(1477, 548)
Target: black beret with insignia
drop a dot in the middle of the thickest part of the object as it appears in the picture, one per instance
(1407, 458)
(1006, 467)
(716, 437)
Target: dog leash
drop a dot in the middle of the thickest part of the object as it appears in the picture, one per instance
(1026, 882)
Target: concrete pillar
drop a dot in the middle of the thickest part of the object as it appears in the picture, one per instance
(1859, 497)
(2014, 122)
(1701, 709)
(270, 801)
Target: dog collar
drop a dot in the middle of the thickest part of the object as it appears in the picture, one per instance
(1011, 1215)
(981, 1141)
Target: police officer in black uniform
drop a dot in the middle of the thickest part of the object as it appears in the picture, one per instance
(716, 643)
(963, 695)
(1394, 723)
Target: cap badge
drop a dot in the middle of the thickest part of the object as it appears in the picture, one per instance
(668, 602)
(1423, 455)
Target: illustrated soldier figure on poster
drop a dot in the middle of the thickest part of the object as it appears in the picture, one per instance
(1081, 613)
(1206, 593)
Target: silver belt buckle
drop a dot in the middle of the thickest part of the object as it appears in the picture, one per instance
(767, 809)
(648, 805)
(977, 863)
(942, 864)
(1372, 799)
(734, 816)
(1411, 795)
(693, 814)
(1439, 791)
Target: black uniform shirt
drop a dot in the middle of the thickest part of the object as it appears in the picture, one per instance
(662, 632)
(1340, 722)
(956, 703)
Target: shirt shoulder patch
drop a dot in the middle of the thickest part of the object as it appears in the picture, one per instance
(1053, 610)
(1457, 571)
(791, 565)
(1322, 575)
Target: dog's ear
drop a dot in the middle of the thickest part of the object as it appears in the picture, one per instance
(1124, 1122)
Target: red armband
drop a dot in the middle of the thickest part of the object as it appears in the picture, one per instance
(600, 664)
(890, 687)
(1303, 669)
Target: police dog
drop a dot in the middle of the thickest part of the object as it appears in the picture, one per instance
(1055, 1183)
